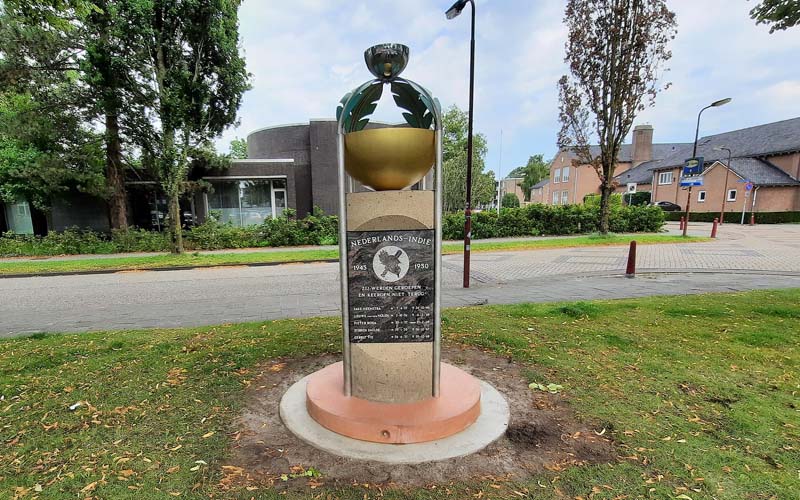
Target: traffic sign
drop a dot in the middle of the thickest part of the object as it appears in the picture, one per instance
(693, 166)
(631, 187)
(748, 186)
(694, 180)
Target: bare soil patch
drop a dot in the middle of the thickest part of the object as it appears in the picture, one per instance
(543, 434)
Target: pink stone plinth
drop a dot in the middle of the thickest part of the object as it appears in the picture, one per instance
(457, 407)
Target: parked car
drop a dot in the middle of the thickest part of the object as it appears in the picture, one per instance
(668, 206)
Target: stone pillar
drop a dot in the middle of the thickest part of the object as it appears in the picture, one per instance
(399, 372)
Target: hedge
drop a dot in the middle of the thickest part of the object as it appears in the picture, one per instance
(316, 229)
(320, 229)
(761, 217)
(538, 219)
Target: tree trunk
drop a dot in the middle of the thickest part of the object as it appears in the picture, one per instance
(605, 198)
(115, 176)
(175, 231)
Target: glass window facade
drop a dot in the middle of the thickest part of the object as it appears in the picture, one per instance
(18, 217)
(247, 202)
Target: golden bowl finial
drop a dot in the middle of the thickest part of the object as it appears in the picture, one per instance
(389, 158)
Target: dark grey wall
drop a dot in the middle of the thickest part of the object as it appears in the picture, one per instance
(289, 141)
(324, 166)
(83, 211)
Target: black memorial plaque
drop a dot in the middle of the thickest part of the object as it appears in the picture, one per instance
(391, 285)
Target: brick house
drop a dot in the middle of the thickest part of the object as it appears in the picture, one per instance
(768, 156)
(540, 192)
(513, 185)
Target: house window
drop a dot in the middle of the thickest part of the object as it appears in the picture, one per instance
(731, 195)
(701, 196)
(565, 174)
(557, 176)
(564, 195)
(665, 178)
(555, 198)
(247, 202)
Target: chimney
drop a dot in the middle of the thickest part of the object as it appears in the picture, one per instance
(642, 144)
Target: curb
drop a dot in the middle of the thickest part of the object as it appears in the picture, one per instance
(165, 268)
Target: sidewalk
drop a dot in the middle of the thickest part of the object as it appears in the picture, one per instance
(698, 231)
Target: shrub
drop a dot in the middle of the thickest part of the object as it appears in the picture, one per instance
(139, 240)
(321, 229)
(593, 200)
(637, 199)
(536, 219)
(509, 200)
(761, 217)
(316, 229)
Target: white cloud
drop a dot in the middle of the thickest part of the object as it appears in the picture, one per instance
(306, 54)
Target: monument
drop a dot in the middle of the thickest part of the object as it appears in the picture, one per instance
(391, 386)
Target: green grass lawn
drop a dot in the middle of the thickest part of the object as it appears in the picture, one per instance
(699, 393)
(305, 255)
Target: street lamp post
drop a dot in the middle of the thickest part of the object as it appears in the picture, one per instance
(714, 104)
(727, 174)
(451, 13)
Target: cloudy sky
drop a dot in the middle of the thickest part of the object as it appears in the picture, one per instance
(306, 54)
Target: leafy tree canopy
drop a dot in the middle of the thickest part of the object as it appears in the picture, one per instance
(454, 155)
(238, 149)
(615, 52)
(534, 171)
(779, 14)
(45, 151)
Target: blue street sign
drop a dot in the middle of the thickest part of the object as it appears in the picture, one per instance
(748, 186)
(693, 166)
(696, 180)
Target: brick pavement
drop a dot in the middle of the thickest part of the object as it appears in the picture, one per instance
(742, 258)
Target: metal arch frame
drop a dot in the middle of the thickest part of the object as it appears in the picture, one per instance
(435, 109)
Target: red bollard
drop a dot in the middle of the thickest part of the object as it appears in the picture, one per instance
(680, 225)
(714, 228)
(630, 270)
(752, 219)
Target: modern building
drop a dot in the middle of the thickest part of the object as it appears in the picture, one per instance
(765, 158)
(288, 166)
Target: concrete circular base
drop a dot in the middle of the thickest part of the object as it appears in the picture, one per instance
(490, 425)
(429, 419)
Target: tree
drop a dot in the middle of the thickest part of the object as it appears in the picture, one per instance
(536, 170)
(197, 79)
(84, 44)
(45, 151)
(510, 200)
(238, 149)
(615, 51)
(780, 14)
(454, 158)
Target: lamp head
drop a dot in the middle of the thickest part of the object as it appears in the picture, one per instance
(721, 102)
(456, 9)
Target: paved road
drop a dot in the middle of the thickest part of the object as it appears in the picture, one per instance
(742, 258)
